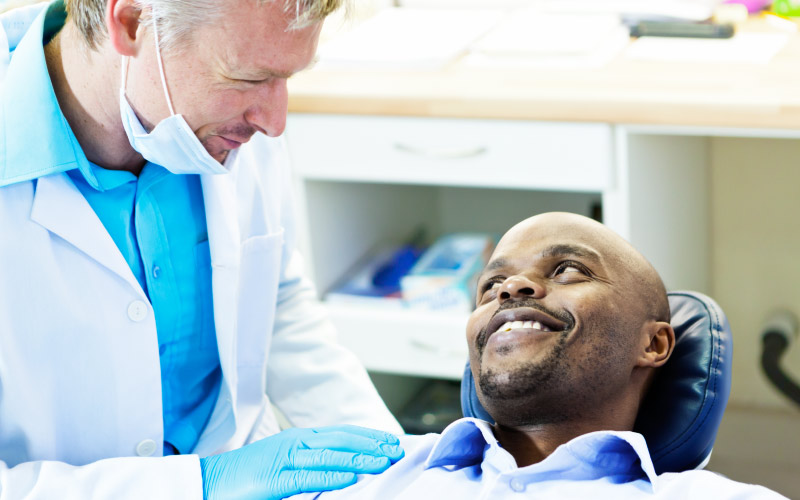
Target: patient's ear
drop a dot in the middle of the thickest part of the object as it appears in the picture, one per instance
(659, 348)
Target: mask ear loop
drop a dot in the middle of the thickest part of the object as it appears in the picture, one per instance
(123, 70)
(161, 66)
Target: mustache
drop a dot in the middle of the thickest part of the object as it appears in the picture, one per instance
(565, 316)
(240, 131)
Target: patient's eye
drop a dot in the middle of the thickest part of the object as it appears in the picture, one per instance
(491, 285)
(570, 269)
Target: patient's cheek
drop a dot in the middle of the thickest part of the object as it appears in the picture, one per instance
(475, 339)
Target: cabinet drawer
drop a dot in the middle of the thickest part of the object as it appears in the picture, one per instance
(404, 341)
(453, 152)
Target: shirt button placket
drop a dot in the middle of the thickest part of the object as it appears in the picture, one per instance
(517, 485)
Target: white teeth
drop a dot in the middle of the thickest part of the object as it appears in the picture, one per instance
(507, 326)
(511, 325)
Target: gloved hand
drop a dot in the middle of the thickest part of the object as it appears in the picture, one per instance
(296, 461)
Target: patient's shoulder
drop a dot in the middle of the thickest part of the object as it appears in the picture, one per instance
(417, 449)
(418, 444)
(707, 484)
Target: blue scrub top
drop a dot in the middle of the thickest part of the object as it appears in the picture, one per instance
(157, 221)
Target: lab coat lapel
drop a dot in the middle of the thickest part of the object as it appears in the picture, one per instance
(60, 208)
(4, 54)
(219, 196)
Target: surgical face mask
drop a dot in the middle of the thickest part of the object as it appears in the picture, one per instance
(172, 143)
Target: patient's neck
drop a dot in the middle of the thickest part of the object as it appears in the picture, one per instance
(530, 444)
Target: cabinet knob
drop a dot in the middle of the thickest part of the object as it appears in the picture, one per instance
(442, 153)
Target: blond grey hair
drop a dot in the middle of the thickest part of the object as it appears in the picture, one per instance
(177, 19)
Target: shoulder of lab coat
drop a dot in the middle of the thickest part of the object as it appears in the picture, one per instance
(13, 25)
(166, 478)
(15, 22)
(311, 378)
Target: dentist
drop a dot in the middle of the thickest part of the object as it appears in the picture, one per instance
(151, 300)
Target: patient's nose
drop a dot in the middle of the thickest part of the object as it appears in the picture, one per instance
(520, 287)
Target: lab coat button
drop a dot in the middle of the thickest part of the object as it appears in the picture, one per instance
(137, 310)
(517, 485)
(156, 272)
(146, 448)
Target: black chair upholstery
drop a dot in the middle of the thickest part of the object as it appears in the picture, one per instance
(680, 416)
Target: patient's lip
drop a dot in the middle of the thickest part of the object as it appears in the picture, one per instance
(524, 314)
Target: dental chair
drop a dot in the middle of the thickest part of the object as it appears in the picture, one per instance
(680, 416)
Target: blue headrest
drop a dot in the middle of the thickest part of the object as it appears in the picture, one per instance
(680, 416)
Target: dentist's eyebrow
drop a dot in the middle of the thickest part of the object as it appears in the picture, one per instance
(264, 74)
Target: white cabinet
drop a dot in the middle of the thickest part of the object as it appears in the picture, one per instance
(453, 152)
(365, 181)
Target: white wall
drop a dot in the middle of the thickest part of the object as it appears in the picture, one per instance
(755, 249)
(755, 264)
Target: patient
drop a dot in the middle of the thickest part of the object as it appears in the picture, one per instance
(570, 326)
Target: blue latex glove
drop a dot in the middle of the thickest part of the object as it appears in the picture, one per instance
(297, 461)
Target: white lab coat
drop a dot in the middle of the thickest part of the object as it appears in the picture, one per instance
(80, 382)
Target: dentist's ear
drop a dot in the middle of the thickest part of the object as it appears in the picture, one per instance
(123, 24)
(660, 343)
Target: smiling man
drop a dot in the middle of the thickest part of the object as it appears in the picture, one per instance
(152, 302)
(570, 325)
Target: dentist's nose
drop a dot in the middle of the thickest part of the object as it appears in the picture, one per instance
(268, 113)
(519, 287)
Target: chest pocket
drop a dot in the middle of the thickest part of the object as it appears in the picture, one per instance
(259, 277)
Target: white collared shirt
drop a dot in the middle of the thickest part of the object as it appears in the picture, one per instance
(467, 462)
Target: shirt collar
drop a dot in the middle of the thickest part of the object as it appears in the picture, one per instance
(463, 442)
(37, 140)
(618, 456)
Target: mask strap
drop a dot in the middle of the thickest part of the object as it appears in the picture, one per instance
(123, 69)
(161, 66)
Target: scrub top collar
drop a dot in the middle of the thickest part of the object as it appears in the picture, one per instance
(469, 441)
(37, 139)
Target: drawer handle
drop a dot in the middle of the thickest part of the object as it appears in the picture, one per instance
(437, 350)
(441, 153)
